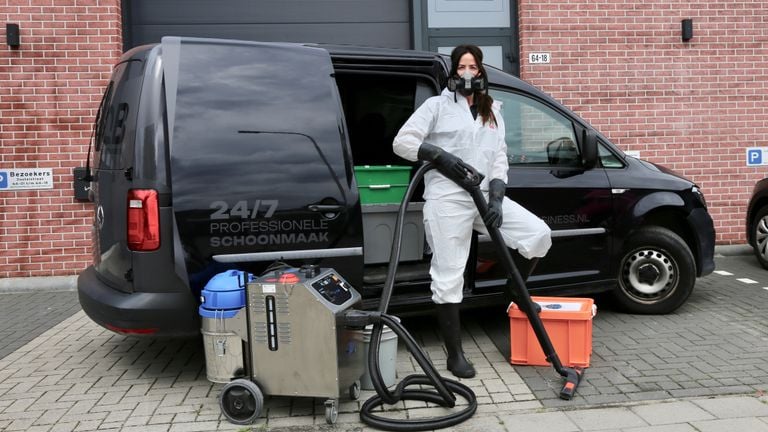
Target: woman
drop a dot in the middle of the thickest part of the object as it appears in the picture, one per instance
(464, 124)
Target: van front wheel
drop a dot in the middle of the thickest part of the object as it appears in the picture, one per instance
(656, 274)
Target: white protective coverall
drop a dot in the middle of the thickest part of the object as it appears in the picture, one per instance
(450, 214)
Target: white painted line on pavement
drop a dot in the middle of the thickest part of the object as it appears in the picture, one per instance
(765, 288)
(723, 273)
(747, 281)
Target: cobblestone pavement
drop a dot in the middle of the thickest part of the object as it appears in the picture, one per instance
(700, 369)
(25, 316)
(715, 344)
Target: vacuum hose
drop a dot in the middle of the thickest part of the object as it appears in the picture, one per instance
(444, 388)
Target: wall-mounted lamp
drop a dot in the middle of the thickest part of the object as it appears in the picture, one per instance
(12, 35)
(687, 29)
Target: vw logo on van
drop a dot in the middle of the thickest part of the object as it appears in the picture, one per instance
(100, 217)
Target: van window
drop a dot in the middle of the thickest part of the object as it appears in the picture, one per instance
(375, 107)
(116, 127)
(607, 158)
(535, 133)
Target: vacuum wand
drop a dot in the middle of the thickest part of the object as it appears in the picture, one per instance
(523, 299)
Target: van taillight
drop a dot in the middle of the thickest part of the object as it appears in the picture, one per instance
(143, 220)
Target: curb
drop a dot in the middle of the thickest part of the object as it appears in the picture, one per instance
(40, 283)
(733, 250)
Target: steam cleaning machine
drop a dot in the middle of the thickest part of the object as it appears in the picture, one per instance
(297, 332)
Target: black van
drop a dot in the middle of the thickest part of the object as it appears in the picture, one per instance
(219, 154)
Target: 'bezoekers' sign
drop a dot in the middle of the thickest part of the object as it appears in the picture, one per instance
(26, 178)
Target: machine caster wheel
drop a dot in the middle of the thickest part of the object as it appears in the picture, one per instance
(354, 391)
(241, 401)
(331, 411)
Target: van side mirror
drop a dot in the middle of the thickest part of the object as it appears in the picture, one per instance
(589, 149)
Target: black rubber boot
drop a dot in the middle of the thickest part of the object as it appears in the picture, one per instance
(450, 327)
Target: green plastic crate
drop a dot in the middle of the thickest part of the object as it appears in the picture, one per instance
(382, 184)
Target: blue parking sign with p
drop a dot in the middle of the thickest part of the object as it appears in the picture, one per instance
(755, 156)
(3, 180)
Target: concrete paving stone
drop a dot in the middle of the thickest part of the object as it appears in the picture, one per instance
(109, 427)
(43, 428)
(112, 396)
(524, 396)
(539, 422)
(51, 416)
(287, 422)
(502, 397)
(146, 408)
(89, 425)
(495, 385)
(118, 415)
(20, 424)
(671, 412)
(19, 405)
(83, 406)
(485, 400)
(663, 428)
(518, 389)
(280, 411)
(185, 417)
(64, 427)
(137, 420)
(120, 406)
(605, 418)
(194, 426)
(147, 428)
(520, 405)
(20, 415)
(603, 399)
(480, 423)
(731, 424)
(208, 417)
(736, 406)
(649, 395)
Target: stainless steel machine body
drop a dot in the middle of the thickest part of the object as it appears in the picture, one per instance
(297, 343)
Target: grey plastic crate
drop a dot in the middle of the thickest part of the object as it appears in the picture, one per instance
(379, 228)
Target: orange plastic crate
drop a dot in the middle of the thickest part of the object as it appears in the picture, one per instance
(568, 321)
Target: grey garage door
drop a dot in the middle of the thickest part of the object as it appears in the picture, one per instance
(384, 23)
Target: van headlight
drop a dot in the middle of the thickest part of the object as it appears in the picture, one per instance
(699, 194)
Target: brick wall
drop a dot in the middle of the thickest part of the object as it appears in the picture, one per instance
(621, 65)
(692, 106)
(50, 87)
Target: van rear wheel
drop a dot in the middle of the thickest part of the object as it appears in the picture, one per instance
(760, 234)
(657, 272)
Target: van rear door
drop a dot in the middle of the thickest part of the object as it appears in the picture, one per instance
(113, 159)
(259, 159)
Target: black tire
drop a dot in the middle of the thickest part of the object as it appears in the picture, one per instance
(657, 272)
(759, 231)
(241, 401)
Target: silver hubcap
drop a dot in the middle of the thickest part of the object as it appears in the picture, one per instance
(761, 237)
(649, 274)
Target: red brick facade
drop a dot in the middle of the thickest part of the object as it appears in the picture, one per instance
(692, 106)
(50, 87)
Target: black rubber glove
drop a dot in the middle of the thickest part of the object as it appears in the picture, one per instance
(449, 165)
(495, 198)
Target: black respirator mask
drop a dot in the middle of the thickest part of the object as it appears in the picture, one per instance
(467, 84)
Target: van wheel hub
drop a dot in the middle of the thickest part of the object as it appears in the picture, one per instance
(649, 272)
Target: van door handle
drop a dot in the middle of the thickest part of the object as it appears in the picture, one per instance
(333, 208)
(329, 211)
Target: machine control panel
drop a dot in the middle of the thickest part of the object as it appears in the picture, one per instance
(332, 288)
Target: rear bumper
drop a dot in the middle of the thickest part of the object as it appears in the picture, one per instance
(153, 314)
(704, 230)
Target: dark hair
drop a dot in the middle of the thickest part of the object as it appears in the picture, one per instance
(482, 99)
